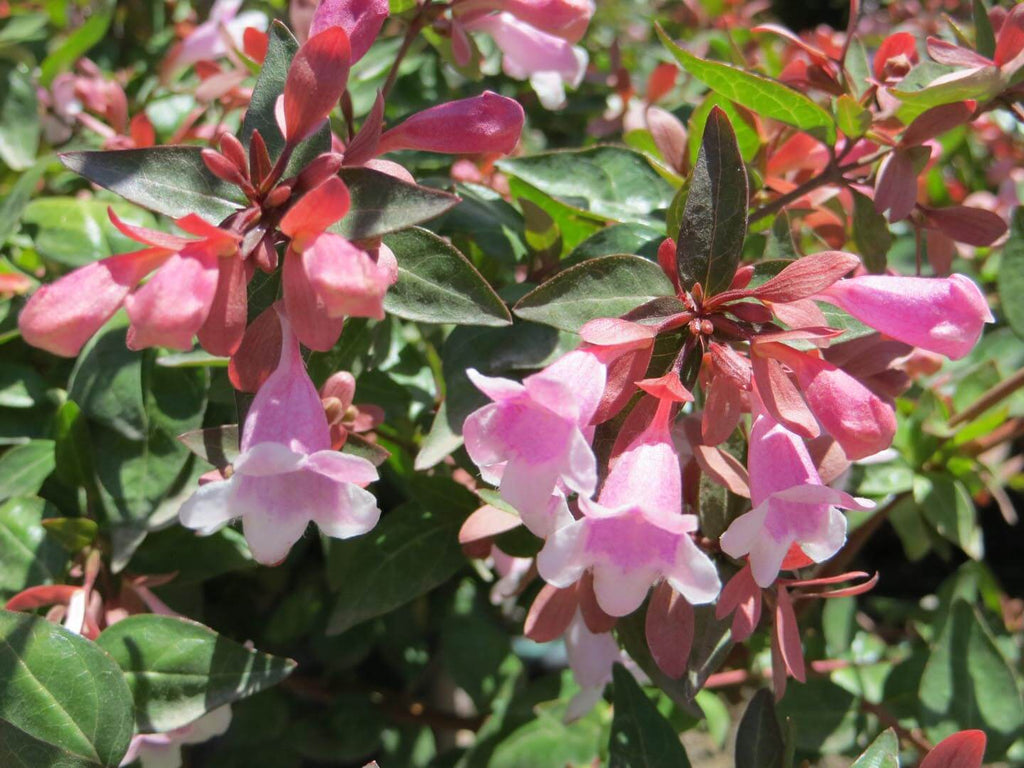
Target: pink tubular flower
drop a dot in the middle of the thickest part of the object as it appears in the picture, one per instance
(286, 474)
(169, 310)
(635, 534)
(485, 123)
(944, 315)
(163, 750)
(791, 506)
(325, 276)
(361, 19)
(532, 435)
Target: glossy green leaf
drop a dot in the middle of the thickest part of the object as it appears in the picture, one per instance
(14, 202)
(178, 670)
(603, 183)
(884, 752)
(173, 181)
(714, 225)
(72, 533)
(27, 555)
(76, 232)
(20, 386)
(383, 204)
(917, 93)
(1011, 275)
(870, 233)
(948, 506)
(828, 718)
(437, 284)
(65, 702)
(640, 736)
(208, 556)
(747, 136)
(24, 468)
(757, 93)
(214, 445)
(638, 239)
(72, 448)
(967, 683)
(608, 286)
(853, 119)
(759, 740)
(19, 117)
(413, 549)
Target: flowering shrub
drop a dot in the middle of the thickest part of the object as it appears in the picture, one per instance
(595, 339)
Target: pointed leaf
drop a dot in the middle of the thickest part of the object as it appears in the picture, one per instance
(884, 751)
(65, 702)
(757, 93)
(640, 736)
(28, 557)
(437, 284)
(1011, 275)
(608, 286)
(383, 204)
(714, 223)
(173, 181)
(25, 467)
(759, 740)
(178, 670)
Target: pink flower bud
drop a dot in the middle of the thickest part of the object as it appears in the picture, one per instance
(484, 123)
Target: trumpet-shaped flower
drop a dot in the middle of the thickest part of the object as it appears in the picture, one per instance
(635, 534)
(169, 310)
(791, 506)
(944, 315)
(286, 474)
(325, 276)
(532, 436)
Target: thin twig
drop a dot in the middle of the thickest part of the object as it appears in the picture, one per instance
(999, 392)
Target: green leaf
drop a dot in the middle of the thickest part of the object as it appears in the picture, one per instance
(608, 286)
(78, 42)
(19, 118)
(72, 448)
(173, 181)
(853, 119)
(947, 505)
(383, 204)
(178, 670)
(24, 467)
(828, 717)
(72, 533)
(747, 136)
(412, 550)
(884, 752)
(214, 445)
(27, 556)
(714, 225)
(473, 649)
(437, 284)
(208, 556)
(757, 93)
(76, 232)
(260, 115)
(638, 239)
(13, 205)
(65, 702)
(968, 684)
(918, 95)
(640, 736)
(20, 386)
(1011, 275)
(984, 37)
(870, 233)
(759, 740)
(603, 183)
(136, 409)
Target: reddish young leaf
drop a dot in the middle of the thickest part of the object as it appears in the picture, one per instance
(936, 121)
(316, 210)
(807, 276)
(965, 749)
(550, 614)
(898, 44)
(965, 224)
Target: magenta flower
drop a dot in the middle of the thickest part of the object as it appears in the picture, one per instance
(791, 506)
(286, 474)
(940, 314)
(177, 303)
(532, 436)
(325, 277)
(635, 534)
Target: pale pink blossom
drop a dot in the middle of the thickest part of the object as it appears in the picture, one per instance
(591, 658)
(548, 61)
(939, 314)
(791, 506)
(635, 534)
(286, 474)
(216, 36)
(534, 435)
(163, 750)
